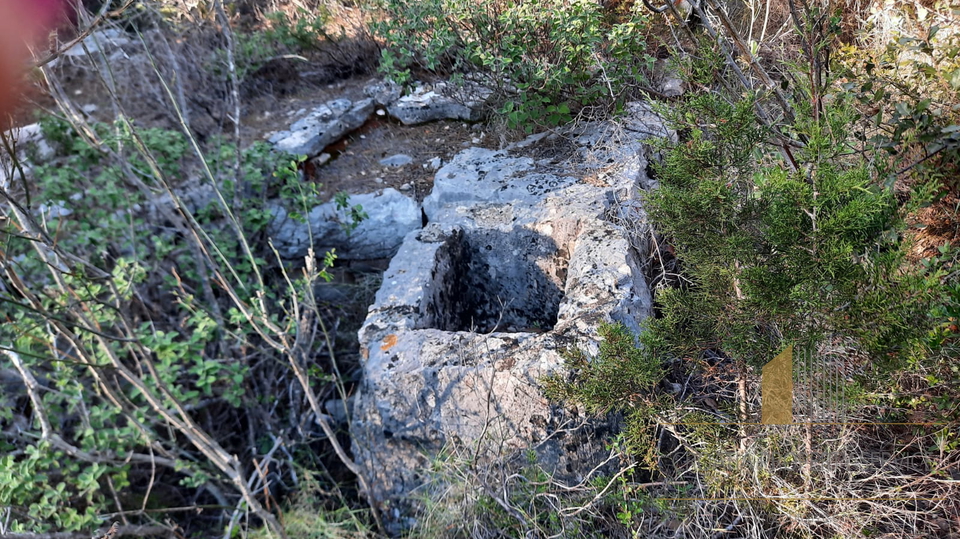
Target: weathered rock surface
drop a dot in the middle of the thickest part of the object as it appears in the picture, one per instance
(390, 216)
(323, 126)
(520, 260)
(440, 101)
(384, 92)
(667, 80)
(426, 103)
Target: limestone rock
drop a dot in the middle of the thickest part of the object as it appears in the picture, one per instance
(667, 80)
(30, 144)
(390, 216)
(478, 175)
(101, 40)
(383, 93)
(194, 197)
(672, 87)
(442, 101)
(323, 126)
(518, 263)
(397, 160)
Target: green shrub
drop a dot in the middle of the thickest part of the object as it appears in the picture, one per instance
(908, 89)
(286, 35)
(303, 33)
(619, 377)
(547, 58)
(153, 327)
(775, 255)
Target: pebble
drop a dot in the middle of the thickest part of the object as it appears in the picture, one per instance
(378, 180)
(406, 187)
(398, 160)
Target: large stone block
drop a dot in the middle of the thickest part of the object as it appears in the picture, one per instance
(518, 263)
(441, 101)
(390, 216)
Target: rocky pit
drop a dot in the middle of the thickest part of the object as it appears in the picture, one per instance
(522, 258)
(515, 287)
(515, 256)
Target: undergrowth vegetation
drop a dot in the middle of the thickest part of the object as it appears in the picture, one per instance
(156, 351)
(157, 355)
(794, 218)
(161, 328)
(546, 60)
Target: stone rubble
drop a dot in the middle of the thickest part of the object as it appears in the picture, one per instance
(328, 123)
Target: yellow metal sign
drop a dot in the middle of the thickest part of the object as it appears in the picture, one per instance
(776, 390)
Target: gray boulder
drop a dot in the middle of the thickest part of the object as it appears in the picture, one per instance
(441, 101)
(383, 93)
(323, 126)
(30, 145)
(390, 216)
(100, 41)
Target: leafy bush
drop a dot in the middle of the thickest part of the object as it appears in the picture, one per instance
(286, 36)
(908, 88)
(161, 323)
(302, 33)
(547, 58)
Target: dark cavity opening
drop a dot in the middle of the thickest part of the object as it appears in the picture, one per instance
(488, 280)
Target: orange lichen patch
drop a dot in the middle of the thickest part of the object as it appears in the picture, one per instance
(388, 342)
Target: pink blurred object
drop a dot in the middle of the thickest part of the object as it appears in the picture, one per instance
(23, 23)
(46, 13)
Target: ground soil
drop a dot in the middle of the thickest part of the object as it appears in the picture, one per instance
(354, 164)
